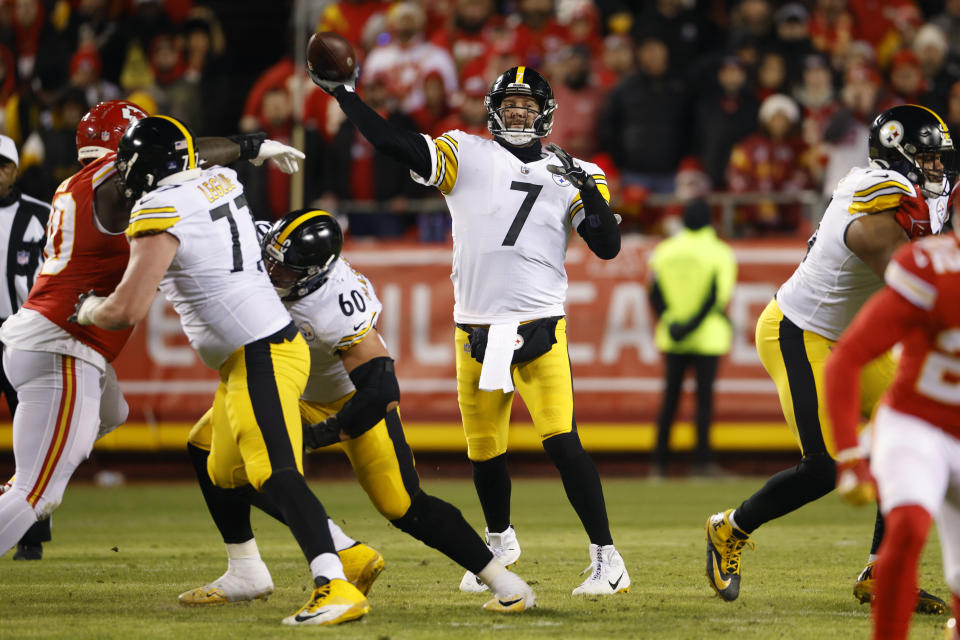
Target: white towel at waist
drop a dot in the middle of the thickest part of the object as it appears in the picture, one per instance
(495, 373)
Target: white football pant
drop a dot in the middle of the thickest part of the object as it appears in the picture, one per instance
(916, 463)
(54, 429)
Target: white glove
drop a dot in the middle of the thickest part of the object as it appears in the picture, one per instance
(283, 157)
(86, 305)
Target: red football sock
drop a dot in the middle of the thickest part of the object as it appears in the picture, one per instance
(896, 571)
(955, 604)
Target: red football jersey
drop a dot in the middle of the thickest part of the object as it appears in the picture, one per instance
(927, 274)
(920, 308)
(78, 257)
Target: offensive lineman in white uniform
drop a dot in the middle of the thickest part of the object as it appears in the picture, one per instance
(901, 195)
(351, 398)
(513, 206)
(192, 235)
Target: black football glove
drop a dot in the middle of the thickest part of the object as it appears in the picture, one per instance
(569, 169)
(330, 86)
(322, 434)
(249, 144)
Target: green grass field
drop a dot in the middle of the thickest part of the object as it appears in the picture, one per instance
(121, 556)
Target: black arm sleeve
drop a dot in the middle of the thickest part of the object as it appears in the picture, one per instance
(376, 384)
(656, 299)
(599, 228)
(406, 147)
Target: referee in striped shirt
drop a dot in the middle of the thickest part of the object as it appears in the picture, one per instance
(23, 224)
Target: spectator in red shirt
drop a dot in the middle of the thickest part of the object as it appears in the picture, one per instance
(408, 59)
(349, 17)
(771, 75)
(467, 37)
(831, 29)
(470, 116)
(618, 60)
(539, 33)
(770, 160)
(905, 81)
(436, 105)
(581, 98)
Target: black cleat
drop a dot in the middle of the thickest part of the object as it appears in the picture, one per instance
(28, 551)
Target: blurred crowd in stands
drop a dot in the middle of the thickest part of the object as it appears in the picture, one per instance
(677, 98)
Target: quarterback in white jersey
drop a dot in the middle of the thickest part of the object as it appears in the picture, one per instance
(514, 206)
(352, 399)
(901, 195)
(192, 235)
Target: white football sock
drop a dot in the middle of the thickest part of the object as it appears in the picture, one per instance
(490, 572)
(733, 523)
(327, 565)
(341, 540)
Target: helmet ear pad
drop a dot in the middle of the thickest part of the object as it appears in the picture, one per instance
(306, 243)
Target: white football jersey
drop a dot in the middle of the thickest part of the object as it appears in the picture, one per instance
(511, 224)
(216, 281)
(832, 283)
(331, 319)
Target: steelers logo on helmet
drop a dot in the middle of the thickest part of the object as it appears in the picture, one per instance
(915, 142)
(538, 121)
(300, 250)
(892, 134)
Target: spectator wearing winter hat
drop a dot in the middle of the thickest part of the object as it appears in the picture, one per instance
(931, 46)
(582, 97)
(905, 81)
(770, 160)
(792, 22)
(85, 68)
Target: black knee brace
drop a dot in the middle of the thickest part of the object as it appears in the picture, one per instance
(440, 525)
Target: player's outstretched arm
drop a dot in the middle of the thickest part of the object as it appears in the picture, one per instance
(150, 256)
(255, 147)
(406, 147)
(600, 228)
(371, 370)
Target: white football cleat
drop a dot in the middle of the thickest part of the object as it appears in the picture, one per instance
(511, 594)
(608, 574)
(251, 583)
(504, 547)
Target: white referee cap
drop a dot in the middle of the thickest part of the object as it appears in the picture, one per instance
(8, 149)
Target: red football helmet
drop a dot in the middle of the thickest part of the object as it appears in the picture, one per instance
(100, 130)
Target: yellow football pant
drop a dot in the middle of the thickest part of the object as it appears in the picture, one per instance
(381, 458)
(795, 359)
(545, 384)
(255, 420)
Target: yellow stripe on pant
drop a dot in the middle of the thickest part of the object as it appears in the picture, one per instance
(255, 424)
(795, 360)
(545, 384)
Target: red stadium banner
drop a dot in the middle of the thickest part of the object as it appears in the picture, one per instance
(616, 367)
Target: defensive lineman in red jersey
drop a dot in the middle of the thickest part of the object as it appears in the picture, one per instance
(68, 391)
(915, 453)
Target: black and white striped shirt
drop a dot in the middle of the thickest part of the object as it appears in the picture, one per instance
(23, 227)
